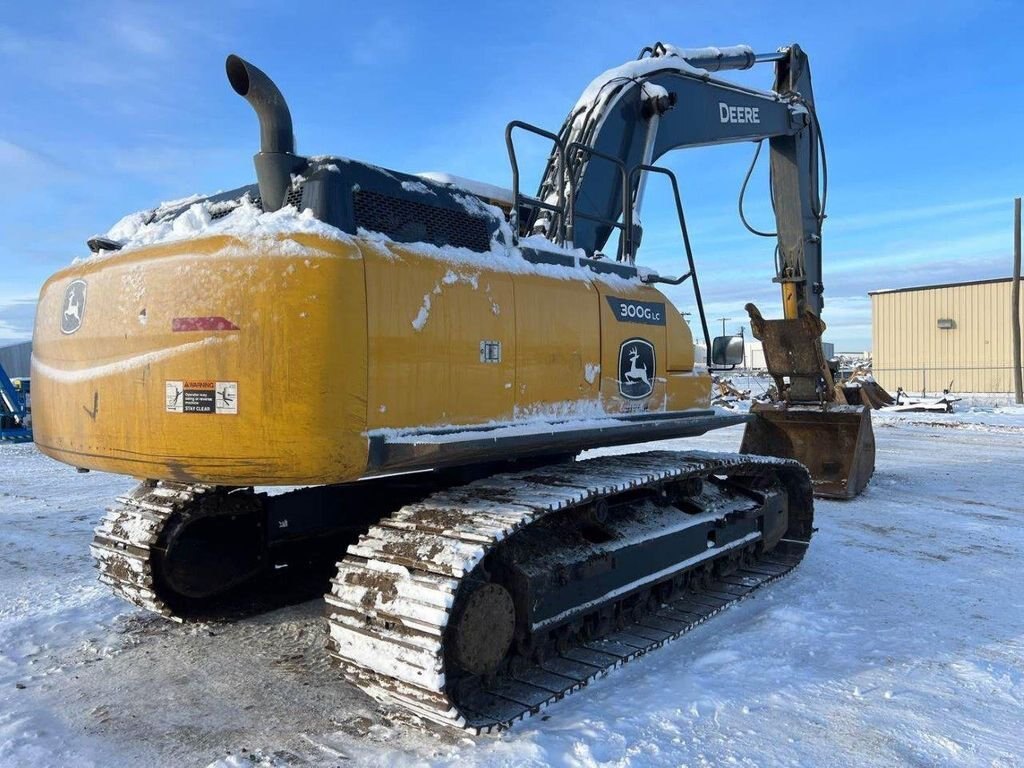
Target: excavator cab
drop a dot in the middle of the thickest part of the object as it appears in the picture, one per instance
(809, 420)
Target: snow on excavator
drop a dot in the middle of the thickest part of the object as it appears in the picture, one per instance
(426, 357)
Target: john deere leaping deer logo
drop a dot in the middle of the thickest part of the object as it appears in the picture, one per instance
(74, 307)
(636, 369)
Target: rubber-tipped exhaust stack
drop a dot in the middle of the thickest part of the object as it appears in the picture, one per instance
(276, 161)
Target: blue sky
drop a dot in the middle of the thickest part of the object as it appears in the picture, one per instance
(112, 107)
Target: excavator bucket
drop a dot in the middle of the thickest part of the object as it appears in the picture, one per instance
(836, 443)
(811, 421)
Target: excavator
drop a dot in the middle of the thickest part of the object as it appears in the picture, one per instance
(420, 360)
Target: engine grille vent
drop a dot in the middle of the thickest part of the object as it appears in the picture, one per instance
(222, 209)
(407, 221)
(295, 197)
(219, 211)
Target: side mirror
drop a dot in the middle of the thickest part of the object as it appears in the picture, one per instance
(727, 351)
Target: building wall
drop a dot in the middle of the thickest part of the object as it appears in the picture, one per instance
(753, 354)
(910, 350)
(15, 359)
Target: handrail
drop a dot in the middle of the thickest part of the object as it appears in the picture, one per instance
(626, 225)
(559, 208)
(565, 211)
(686, 244)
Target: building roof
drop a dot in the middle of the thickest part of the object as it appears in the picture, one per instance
(940, 285)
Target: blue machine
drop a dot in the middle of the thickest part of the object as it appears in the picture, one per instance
(14, 412)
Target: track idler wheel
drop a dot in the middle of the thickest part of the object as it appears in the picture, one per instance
(483, 631)
(210, 549)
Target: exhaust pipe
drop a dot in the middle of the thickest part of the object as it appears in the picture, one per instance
(276, 161)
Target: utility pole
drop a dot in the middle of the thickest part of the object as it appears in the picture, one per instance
(1015, 305)
(724, 319)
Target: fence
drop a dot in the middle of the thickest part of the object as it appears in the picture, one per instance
(936, 378)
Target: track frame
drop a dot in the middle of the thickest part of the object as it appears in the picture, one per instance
(400, 587)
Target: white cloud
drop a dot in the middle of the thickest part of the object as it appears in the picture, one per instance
(385, 38)
(26, 168)
(167, 157)
(907, 215)
(17, 314)
(14, 155)
(123, 45)
(141, 36)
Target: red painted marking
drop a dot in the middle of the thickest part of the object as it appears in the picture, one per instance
(202, 324)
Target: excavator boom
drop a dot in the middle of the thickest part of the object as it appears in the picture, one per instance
(667, 99)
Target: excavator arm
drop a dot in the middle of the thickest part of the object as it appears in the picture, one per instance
(670, 98)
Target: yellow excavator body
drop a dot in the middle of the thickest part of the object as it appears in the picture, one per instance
(269, 362)
(423, 359)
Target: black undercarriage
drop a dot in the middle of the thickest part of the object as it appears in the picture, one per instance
(576, 578)
(473, 600)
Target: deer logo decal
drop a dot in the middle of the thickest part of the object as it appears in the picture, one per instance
(74, 307)
(636, 369)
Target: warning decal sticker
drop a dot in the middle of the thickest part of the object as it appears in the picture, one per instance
(202, 396)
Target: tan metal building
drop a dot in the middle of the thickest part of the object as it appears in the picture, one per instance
(925, 337)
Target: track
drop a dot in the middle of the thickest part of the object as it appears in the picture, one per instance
(190, 550)
(126, 537)
(176, 549)
(397, 604)
(399, 591)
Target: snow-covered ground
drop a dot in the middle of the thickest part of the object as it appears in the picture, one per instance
(899, 640)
